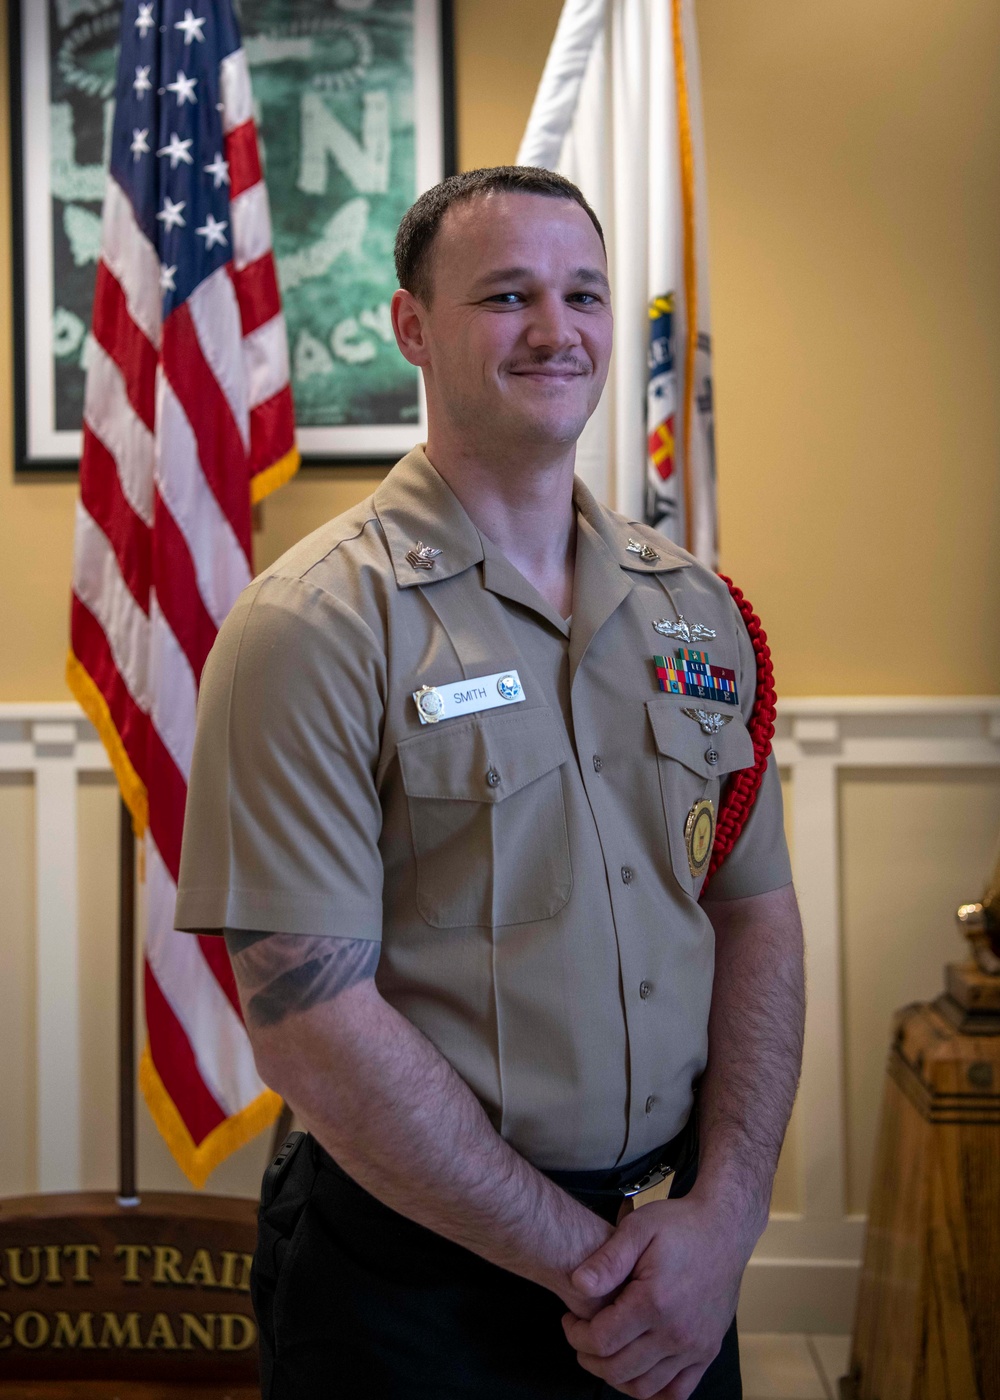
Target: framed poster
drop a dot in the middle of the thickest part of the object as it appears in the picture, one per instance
(355, 111)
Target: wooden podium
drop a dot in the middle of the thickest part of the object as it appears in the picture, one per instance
(928, 1319)
(100, 1301)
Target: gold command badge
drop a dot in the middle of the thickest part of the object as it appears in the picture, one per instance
(699, 835)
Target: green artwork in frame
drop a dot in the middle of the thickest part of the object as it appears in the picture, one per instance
(354, 110)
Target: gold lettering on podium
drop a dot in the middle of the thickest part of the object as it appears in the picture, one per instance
(130, 1253)
(74, 1334)
(83, 1254)
(203, 1331)
(121, 1334)
(166, 1261)
(39, 1334)
(15, 1267)
(161, 1334)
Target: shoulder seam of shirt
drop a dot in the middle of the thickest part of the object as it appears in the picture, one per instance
(338, 604)
(274, 571)
(346, 539)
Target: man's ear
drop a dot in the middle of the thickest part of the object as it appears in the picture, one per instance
(408, 324)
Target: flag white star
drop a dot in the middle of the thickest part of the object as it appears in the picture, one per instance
(171, 213)
(145, 22)
(184, 87)
(139, 146)
(177, 150)
(213, 231)
(219, 170)
(167, 278)
(142, 83)
(191, 28)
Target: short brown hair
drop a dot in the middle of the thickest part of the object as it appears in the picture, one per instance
(421, 221)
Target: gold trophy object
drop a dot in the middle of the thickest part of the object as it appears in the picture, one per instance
(981, 924)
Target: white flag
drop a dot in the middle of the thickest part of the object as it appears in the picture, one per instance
(618, 112)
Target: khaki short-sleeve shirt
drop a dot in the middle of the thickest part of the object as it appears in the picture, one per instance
(524, 866)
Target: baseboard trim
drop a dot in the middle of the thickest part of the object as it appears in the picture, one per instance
(799, 1295)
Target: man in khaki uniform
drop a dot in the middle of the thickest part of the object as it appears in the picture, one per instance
(456, 833)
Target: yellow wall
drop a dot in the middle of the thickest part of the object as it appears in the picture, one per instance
(854, 184)
(854, 199)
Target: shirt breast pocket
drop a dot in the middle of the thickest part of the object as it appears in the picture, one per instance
(692, 766)
(488, 819)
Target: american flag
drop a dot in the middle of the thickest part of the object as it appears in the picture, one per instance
(188, 420)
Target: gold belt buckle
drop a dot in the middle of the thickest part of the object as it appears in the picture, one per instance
(653, 1186)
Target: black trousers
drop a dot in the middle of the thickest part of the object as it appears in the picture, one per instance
(356, 1302)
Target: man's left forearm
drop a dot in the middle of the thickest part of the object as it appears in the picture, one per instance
(754, 1053)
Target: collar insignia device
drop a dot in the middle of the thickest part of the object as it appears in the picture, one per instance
(422, 556)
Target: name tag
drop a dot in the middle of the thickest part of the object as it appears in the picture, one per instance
(437, 702)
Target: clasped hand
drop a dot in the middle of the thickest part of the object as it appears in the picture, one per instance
(673, 1271)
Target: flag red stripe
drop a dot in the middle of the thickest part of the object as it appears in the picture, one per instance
(220, 447)
(257, 292)
(272, 430)
(118, 334)
(129, 536)
(243, 156)
(167, 795)
(91, 649)
(176, 1065)
(177, 590)
(214, 952)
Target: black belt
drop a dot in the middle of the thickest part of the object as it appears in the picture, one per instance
(635, 1177)
(621, 1183)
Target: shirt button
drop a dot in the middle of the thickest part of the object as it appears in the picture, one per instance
(628, 874)
(598, 762)
(649, 1104)
(644, 989)
(712, 756)
(493, 777)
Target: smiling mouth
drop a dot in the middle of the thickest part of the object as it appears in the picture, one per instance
(549, 372)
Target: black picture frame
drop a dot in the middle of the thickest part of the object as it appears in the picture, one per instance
(44, 444)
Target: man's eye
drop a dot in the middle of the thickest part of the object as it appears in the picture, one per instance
(585, 298)
(506, 298)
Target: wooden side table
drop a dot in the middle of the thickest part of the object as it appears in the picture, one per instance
(928, 1319)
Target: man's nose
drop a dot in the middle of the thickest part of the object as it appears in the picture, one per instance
(551, 325)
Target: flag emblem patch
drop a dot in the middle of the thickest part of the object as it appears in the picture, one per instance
(690, 672)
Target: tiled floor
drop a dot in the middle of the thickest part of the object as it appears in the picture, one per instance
(787, 1366)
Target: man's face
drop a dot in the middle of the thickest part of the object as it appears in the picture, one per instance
(519, 327)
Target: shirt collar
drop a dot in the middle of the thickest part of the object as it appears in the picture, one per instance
(418, 509)
(626, 539)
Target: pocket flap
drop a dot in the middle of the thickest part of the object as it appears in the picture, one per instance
(473, 760)
(680, 737)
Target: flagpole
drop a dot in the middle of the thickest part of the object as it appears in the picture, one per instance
(126, 1010)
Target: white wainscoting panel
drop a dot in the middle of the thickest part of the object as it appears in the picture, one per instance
(803, 1276)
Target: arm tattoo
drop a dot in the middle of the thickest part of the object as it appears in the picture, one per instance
(279, 974)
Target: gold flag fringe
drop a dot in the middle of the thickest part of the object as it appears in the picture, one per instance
(198, 1160)
(95, 707)
(274, 476)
